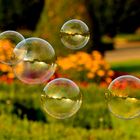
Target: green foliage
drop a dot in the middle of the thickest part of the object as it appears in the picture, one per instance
(94, 112)
(113, 15)
(92, 122)
(26, 103)
(19, 14)
(46, 17)
(91, 117)
(14, 129)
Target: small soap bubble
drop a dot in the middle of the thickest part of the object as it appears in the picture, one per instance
(74, 34)
(62, 98)
(38, 64)
(8, 41)
(123, 97)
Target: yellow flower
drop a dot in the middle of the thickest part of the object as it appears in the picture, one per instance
(4, 68)
(94, 68)
(6, 53)
(6, 50)
(110, 73)
(96, 55)
(83, 59)
(2, 57)
(90, 64)
(90, 75)
(108, 80)
(72, 58)
(106, 66)
(100, 73)
(11, 75)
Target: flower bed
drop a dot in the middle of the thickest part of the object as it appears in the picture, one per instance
(84, 67)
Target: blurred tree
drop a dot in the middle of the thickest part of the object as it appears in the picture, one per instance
(104, 18)
(54, 15)
(20, 14)
(111, 17)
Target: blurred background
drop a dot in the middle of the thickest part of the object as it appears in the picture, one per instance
(114, 48)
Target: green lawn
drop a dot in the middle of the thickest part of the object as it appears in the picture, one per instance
(21, 117)
(130, 66)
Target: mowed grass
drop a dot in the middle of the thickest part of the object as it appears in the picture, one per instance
(129, 66)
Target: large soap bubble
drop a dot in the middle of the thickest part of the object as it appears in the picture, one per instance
(38, 64)
(8, 41)
(123, 97)
(62, 98)
(74, 34)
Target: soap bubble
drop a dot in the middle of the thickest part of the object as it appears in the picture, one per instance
(8, 41)
(62, 98)
(74, 34)
(123, 97)
(38, 64)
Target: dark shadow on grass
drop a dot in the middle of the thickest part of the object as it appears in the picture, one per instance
(127, 68)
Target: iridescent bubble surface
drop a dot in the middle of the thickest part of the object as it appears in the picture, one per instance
(123, 97)
(38, 64)
(74, 34)
(62, 98)
(8, 41)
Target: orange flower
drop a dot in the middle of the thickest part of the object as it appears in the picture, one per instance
(108, 80)
(100, 73)
(96, 55)
(4, 68)
(110, 73)
(91, 66)
(90, 75)
(10, 75)
(6, 52)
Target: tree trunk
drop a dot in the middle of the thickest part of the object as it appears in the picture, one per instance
(54, 15)
(96, 33)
